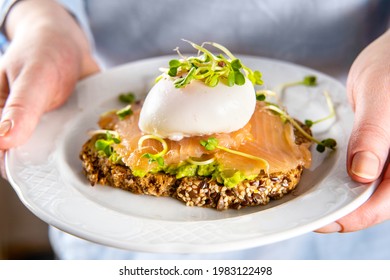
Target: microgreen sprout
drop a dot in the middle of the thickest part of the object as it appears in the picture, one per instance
(212, 144)
(326, 143)
(321, 145)
(210, 69)
(309, 81)
(253, 76)
(200, 162)
(105, 146)
(154, 157)
(261, 95)
(332, 112)
(182, 82)
(127, 98)
(124, 112)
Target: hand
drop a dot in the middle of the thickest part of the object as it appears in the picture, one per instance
(48, 54)
(368, 91)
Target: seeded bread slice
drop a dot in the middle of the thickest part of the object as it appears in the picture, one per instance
(193, 191)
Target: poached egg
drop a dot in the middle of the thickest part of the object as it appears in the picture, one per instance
(196, 109)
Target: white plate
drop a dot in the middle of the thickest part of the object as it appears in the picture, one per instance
(47, 174)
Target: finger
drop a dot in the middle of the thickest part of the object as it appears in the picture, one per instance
(4, 91)
(3, 173)
(374, 211)
(4, 88)
(27, 101)
(89, 67)
(368, 84)
(370, 138)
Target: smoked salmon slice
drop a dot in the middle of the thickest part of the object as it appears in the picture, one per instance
(266, 136)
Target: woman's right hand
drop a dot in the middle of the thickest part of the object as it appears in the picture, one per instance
(47, 55)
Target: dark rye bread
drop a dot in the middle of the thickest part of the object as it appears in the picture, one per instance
(193, 191)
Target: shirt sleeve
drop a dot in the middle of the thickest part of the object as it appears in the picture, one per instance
(6, 5)
(78, 10)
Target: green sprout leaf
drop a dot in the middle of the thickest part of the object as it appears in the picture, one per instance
(320, 148)
(212, 81)
(124, 112)
(114, 157)
(236, 64)
(255, 78)
(158, 157)
(128, 98)
(321, 145)
(105, 147)
(310, 81)
(260, 97)
(309, 123)
(160, 161)
(239, 78)
(172, 71)
(231, 79)
(327, 143)
(209, 144)
(154, 158)
(182, 82)
(210, 69)
(111, 138)
(212, 144)
(174, 63)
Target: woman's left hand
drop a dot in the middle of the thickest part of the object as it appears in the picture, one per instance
(368, 90)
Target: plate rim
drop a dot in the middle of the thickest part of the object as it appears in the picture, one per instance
(181, 247)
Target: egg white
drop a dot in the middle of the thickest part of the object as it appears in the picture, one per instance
(196, 109)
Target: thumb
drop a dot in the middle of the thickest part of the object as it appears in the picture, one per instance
(370, 138)
(368, 88)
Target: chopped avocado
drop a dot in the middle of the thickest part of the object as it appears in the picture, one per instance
(207, 169)
(187, 170)
(229, 178)
(139, 172)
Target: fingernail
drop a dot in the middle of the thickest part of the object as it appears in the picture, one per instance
(332, 227)
(5, 126)
(365, 165)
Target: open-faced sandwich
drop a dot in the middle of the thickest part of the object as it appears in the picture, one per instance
(204, 136)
